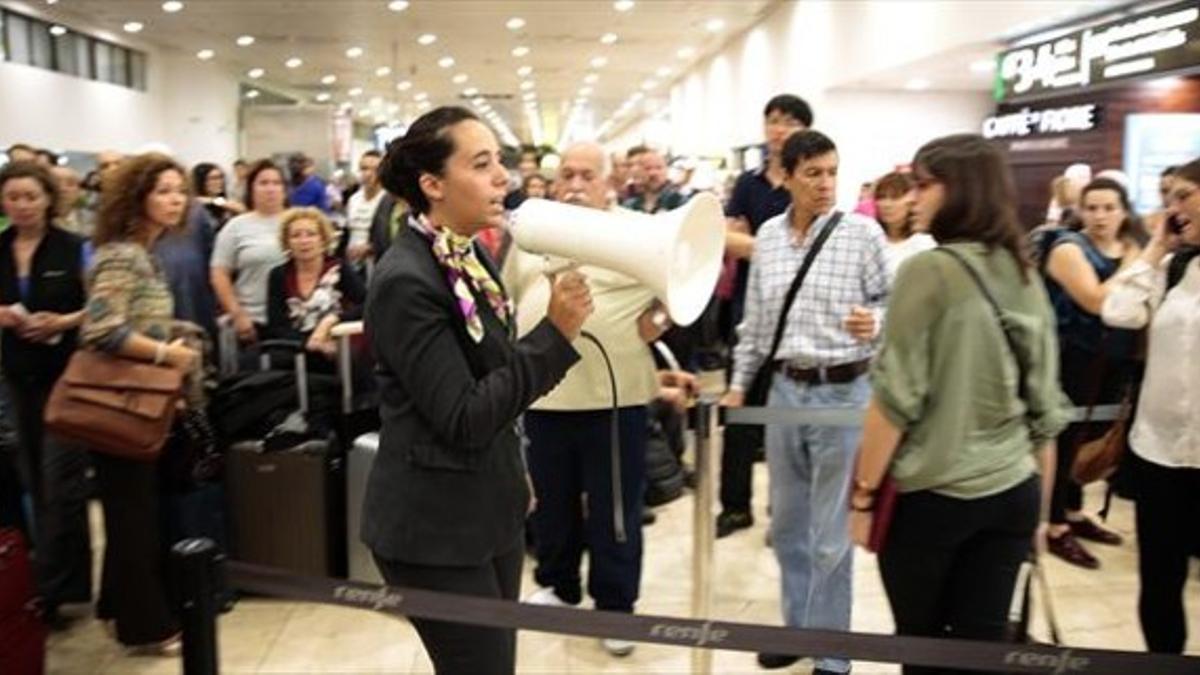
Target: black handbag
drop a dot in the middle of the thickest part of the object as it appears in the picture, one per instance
(756, 395)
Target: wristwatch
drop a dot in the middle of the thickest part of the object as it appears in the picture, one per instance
(660, 319)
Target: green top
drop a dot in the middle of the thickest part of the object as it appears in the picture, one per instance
(946, 377)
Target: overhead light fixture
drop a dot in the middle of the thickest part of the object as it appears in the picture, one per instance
(623, 5)
(983, 66)
(383, 71)
(608, 38)
(649, 85)
(470, 91)
(323, 97)
(636, 96)
(253, 93)
(245, 40)
(426, 39)
(398, 5)
(446, 62)
(714, 25)
(524, 71)
(917, 84)
(58, 31)
(530, 96)
(423, 105)
(420, 96)
(354, 52)
(515, 23)
(294, 62)
(459, 78)
(479, 101)
(585, 91)
(403, 85)
(520, 51)
(527, 85)
(172, 6)
(393, 108)
(663, 72)
(329, 79)
(375, 102)
(591, 78)
(599, 62)
(205, 54)
(133, 26)
(686, 52)
(355, 91)
(255, 73)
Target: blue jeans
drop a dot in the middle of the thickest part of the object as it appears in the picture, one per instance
(810, 471)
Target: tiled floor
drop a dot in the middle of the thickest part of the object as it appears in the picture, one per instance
(1096, 609)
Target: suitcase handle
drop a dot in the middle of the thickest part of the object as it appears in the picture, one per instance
(300, 357)
(343, 332)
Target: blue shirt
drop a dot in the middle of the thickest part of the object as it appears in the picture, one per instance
(1078, 328)
(310, 193)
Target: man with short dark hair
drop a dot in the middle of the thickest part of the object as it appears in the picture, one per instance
(828, 341)
(308, 188)
(527, 165)
(656, 193)
(361, 207)
(758, 195)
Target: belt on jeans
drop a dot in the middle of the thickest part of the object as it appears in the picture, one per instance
(839, 374)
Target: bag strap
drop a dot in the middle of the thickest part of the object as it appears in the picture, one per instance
(794, 289)
(1009, 338)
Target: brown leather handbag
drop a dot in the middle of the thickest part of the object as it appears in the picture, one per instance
(1099, 458)
(113, 405)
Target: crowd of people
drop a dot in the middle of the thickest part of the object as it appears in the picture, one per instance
(963, 337)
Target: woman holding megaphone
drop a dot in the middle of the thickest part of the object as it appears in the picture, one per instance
(447, 497)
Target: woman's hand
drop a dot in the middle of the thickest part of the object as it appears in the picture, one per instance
(321, 345)
(860, 527)
(244, 325)
(678, 378)
(570, 303)
(180, 356)
(42, 326)
(10, 318)
(734, 398)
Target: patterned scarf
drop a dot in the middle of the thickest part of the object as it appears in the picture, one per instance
(464, 271)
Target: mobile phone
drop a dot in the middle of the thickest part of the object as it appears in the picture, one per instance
(1174, 226)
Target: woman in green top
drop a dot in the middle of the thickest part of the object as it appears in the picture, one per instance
(956, 421)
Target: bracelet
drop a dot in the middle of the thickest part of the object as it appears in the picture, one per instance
(160, 353)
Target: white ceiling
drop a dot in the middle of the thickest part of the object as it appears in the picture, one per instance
(563, 37)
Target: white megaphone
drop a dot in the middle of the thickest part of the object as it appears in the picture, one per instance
(676, 254)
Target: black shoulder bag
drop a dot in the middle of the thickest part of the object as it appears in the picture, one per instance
(756, 395)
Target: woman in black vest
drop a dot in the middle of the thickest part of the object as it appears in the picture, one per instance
(41, 302)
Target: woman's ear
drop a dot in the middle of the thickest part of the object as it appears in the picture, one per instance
(431, 185)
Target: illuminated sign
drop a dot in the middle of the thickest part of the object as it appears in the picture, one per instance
(1027, 122)
(1150, 43)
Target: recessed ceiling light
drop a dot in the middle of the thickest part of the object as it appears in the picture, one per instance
(51, 2)
(479, 101)
(715, 25)
(983, 66)
(294, 62)
(648, 85)
(323, 96)
(383, 71)
(599, 62)
(591, 78)
(172, 6)
(404, 85)
(427, 39)
(245, 40)
(253, 93)
(623, 5)
(530, 96)
(585, 91)
(355, 91)
(423, 105)
(515, 23)
(636, 96)
(329, 79)
(470, 91)
(393, 108)
(205, 54)
(58, 31)
(133, 26)
(354, 52)
(375, 102)
(663, 72)
(398, 5)
(364, 113)
(459, 78)
(420, 96)
(608, 38)
(527, 85)
(446, 62)
(686, 52)
(520, 51)
(255, 73)
(917, 84)
(524, 71)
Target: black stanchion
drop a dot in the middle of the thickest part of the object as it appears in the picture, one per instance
(198, 580)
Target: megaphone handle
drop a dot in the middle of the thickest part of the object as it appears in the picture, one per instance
(552, 264)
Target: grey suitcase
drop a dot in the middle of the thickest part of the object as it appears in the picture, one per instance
(358, 468)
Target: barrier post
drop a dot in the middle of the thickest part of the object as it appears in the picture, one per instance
(703, 528)
(197, 578)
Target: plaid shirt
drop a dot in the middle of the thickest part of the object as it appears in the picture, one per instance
(851, 269)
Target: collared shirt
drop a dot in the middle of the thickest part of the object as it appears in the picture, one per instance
(360, 211)
(756, 200)
(851, 269)
(669, 198)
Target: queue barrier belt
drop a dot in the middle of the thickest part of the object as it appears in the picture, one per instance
(853, 417)
(687, 632)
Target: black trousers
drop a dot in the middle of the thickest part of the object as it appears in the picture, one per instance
(55, 477)
(457, 648)
(1167, 510)
(949, 566)
(133, 585)
(739, 449)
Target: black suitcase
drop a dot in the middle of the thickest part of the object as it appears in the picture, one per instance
(287, 506)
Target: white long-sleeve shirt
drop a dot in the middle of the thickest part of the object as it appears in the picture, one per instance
(1167, 428)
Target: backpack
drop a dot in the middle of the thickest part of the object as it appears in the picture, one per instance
(1041, 240)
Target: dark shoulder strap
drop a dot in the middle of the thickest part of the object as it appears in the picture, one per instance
(1178, 265)
(800, 274)
(999, 314)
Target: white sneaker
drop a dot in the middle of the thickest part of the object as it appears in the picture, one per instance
(545, 597)
(617, 647)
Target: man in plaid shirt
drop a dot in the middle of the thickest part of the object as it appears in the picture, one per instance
(828, 341)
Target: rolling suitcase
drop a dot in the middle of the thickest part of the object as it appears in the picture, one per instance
(286, 493)
(22, 633)
(358, 468)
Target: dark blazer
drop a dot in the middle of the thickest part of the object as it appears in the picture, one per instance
(381, 226)
(279, 323)
(55, 285)
(448, 485)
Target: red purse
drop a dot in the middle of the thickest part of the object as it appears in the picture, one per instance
(881, 513)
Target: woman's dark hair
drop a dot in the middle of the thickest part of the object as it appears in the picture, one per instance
(123, 195)
(1131, 226)
(39, 173)
(423, 150)
(804, 144)
(980, 201)
(1189, 172)
(257, 168)
(200, 178)
(792, 106)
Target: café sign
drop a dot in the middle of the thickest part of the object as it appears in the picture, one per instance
(1027, 122)
(1144, 44)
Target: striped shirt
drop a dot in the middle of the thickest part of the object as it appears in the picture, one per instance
(850, 269)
